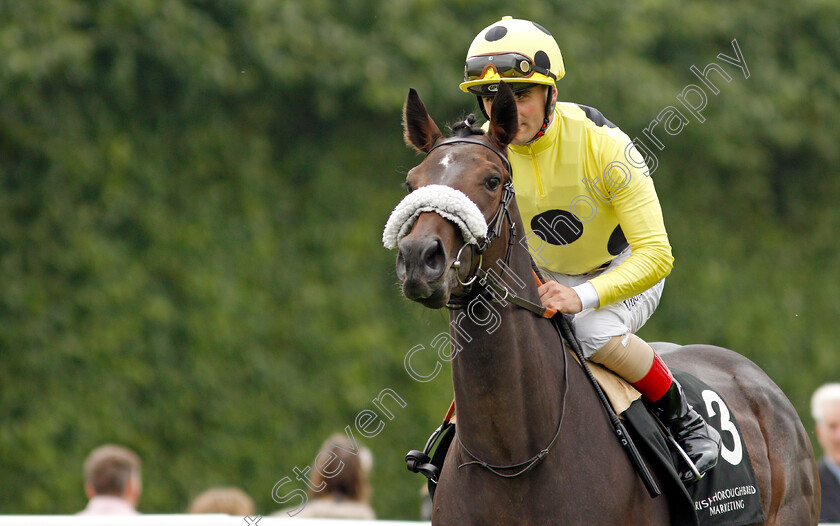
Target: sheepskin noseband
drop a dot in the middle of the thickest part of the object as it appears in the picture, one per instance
(450, 203)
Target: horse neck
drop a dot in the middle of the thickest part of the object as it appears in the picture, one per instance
(508, 370)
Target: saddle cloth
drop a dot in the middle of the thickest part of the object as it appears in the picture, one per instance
(727, 495)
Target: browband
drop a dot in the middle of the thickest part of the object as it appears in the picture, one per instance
(470, 140)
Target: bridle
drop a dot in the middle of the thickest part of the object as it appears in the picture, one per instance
(501, 294)
(494, 230)
(494, 226)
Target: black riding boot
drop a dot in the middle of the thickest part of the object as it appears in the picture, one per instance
(699, 440)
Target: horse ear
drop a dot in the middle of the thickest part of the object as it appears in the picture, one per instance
(419, 130)
(504, 120)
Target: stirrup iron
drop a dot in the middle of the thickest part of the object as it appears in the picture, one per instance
(693, 475)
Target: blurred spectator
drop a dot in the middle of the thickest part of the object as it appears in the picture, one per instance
(825, 408)
(231, 501)
(345, 494)
(112, 481)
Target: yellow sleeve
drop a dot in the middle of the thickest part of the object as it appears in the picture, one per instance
(640, 216)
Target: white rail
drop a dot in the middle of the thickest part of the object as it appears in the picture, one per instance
(184, 520)
(196, 520)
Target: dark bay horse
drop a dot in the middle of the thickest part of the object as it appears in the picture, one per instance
(516, 393)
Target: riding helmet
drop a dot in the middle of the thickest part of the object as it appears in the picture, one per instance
(520, 52)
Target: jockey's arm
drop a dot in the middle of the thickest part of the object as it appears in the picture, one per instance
(640, 216)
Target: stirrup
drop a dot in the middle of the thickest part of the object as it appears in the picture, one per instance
(420, 461)
(691, 476)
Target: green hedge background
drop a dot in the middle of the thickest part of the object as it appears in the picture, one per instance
(193, 194)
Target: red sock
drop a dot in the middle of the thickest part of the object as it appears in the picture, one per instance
(656, 382)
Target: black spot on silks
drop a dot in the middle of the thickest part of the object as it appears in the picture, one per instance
(541, 28)
(596, 116)
(617, 242)
(557, 227)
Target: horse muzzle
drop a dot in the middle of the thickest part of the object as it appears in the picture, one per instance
(421, 268)
(428, 226)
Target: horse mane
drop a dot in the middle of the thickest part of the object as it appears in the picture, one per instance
(466, 127)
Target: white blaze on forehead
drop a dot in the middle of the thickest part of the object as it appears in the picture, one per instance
(447, 160)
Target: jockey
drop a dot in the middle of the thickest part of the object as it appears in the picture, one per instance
(592, 218)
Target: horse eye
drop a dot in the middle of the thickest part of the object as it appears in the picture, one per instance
(493, 182)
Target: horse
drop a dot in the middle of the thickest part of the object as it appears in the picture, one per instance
(534, 444)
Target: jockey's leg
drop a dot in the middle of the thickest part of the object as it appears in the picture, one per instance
(634, 360)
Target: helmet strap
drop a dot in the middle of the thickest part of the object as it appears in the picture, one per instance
(549, 109)
(481, 107)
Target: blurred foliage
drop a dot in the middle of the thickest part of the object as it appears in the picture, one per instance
(193, 194)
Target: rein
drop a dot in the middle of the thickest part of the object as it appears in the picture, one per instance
(565, 333)
(533, 461)
(419, 461)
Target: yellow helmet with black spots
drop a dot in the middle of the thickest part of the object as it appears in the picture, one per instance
(520, 52)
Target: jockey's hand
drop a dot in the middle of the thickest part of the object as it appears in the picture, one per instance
(560, 297)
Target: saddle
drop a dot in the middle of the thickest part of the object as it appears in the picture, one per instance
(727, 495)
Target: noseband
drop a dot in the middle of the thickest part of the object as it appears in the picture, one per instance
(494, 230)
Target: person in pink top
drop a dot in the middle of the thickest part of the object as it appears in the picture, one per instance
(112, 481)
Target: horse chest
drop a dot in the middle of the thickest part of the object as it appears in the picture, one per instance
(578, 486)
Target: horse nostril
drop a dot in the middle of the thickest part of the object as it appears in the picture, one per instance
(421, 260)
(434, 258)
(401, 270)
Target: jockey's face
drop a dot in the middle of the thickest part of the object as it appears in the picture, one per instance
(530, 106)
(828, 430)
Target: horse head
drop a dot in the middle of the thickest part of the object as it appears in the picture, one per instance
(455, 194)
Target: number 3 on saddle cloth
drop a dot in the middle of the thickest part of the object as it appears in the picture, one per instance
(727, 495)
